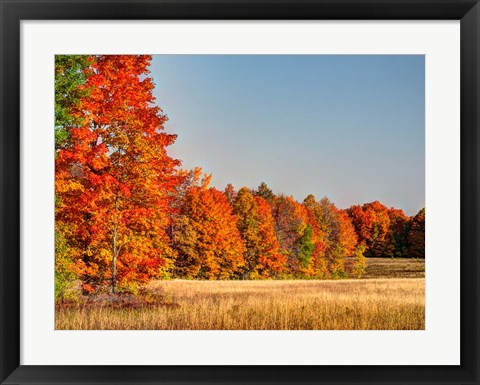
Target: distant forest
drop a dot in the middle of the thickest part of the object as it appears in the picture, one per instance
(126, 212)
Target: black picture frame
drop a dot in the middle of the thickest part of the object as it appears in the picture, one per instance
(12, 12)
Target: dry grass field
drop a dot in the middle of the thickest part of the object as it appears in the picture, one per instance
(395, 268)
(379, 304)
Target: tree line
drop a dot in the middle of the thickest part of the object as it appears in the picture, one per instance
(126, 212)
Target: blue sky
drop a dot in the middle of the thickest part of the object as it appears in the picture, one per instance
(349, 127)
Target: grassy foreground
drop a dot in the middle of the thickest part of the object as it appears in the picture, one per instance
(396, 303)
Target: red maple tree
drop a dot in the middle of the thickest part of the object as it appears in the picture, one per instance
(114, 179)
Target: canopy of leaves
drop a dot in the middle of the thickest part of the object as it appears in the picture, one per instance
(71, 72)
(255, 223)
(416, 236)
(384, 231)
(126, 212)
(114, 179)
(207, 240)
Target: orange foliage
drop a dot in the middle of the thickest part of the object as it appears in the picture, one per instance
(318, 264)
(347, 237)
(126, 213)
(114, 179)
(271, 261)
(372, 223)
(207, 240)
(255, 223)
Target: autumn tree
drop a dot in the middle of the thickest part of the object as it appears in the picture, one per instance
(70, 74)
(65, 272)
(294, 237)
(188, 179)
(346, 237)
(114, 178)
(318, 264)
(339, 237)
(396, 239)
(245, 207)
(359, 263)
(416, 236)
(230, 193)
(372, 224)
(256, 226)
(270, 262)
(207, 242)
(383, 231)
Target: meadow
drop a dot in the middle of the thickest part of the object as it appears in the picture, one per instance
(395, 268)
(353, 304)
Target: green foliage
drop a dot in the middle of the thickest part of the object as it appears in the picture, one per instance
(340, 274)
(66, 288)
(69, 77)
(305, 246)
(265, 192)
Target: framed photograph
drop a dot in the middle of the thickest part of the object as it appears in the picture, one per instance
(237, 192)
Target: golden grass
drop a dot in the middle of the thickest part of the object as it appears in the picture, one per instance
(379, 304)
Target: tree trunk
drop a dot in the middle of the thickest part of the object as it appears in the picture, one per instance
(114, 260)
(115, 251)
